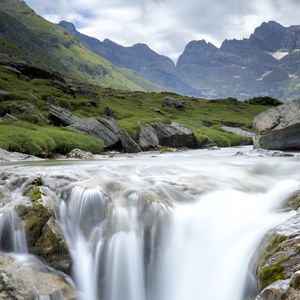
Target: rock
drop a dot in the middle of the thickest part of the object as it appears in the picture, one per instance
(29, 279)
(10, 117)
(60, 116)
(174, 135)
(79, 154)
(276, 291)
(280, 257)
(44, 238)
(15, 156)
(214, 148)
(147, 137)
(108, 112)
(238, 131)
(105, 129)
(171, 102)
(128, 143)
(279, 127)
(264, 153)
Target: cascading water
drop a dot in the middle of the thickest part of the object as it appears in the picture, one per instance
(181, 226)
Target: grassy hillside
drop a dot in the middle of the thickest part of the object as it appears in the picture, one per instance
(28, 36)
(28, 100)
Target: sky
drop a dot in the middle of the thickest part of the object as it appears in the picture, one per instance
(168, 25)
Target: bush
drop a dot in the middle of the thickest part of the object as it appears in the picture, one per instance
(269, 101)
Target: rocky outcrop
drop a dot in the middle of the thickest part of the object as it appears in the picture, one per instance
(174, 135)
(279, 127)
(169, 135)
(61, 117)
(104, 129)
(238, 131)
(128, 143)
(30, 280)
(79, 154)
(171, 102)
(15, 156)
(147, 137)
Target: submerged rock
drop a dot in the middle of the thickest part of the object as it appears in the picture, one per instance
(28, 279)
(279, 127)
(265, 153)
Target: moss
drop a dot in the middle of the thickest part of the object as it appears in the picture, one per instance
(35, 194)
(270, 274)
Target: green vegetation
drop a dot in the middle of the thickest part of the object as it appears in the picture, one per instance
(270, 274)
(26, 35)
(28, 100)
(269, 101)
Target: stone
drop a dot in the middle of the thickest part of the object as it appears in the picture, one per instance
(174, 135)
(265, 153)
(10, 117)
(15, 156)
(238, 131)
(62, 117)
(279, 127)
(128, 143)
(147, 137)
(105, 129)
(171, 102)
(79, 154)
(29, 279)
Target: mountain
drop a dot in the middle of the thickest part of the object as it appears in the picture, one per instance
(267, 63)
(140, 58)
(27, 36)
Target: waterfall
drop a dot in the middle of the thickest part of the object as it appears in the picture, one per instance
(180, 226)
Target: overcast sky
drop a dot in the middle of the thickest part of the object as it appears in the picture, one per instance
(168, 25)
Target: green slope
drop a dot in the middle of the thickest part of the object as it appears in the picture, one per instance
(28, 36)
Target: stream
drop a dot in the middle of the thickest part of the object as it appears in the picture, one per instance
(180, 226)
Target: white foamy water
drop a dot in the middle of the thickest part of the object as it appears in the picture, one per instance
(181, 226)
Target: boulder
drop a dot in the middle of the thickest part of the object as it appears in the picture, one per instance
(280, 257)
(147, 137)
(105, 129)
(79, 154)
(29, 279)
(61, 117)
(171, 102)
(238, 131)
(15, 156)
(128, 143)
(279, 127)
(174, 135)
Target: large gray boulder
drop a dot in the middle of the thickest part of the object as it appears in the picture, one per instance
(174, 135)
(171, 102)
(105, 129)
(31, 280)
(15, 156)
(148, 138)
(61, 116)
(279, 127)
(128, 143)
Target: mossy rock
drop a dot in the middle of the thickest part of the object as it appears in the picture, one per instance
(293, 202)
(270, 274)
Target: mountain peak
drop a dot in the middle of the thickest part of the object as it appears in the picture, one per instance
(68, 25)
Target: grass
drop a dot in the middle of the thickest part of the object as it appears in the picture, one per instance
(32, 133)
(44, 141)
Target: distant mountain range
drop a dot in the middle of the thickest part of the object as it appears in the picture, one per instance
(268, 63)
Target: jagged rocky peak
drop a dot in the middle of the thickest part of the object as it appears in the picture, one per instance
(201, 44)
(268, 36)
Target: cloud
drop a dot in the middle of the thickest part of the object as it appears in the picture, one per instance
(168, 25)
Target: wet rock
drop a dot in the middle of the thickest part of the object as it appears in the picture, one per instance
(104, 128)
(28, 279)
(174, 135)
(79, 154)
(279, 127)
(128, 143)
(147, 137)
(171, 102)
(264, 153)
(15, 156)
(60, 116)
(280, 256)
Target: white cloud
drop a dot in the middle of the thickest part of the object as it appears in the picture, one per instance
(168, 25)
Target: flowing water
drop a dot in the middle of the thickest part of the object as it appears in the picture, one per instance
(181, 226)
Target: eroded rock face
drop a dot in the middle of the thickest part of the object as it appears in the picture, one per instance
(61, 116)
(128, 143)
(174, 135)
(148, 138)
(28, 279)
(279, 127)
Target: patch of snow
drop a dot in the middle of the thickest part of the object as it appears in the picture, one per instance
(264, 75)
(279, 54)
(293, 76)
(238, 77)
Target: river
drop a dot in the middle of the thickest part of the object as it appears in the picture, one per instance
(180, 226)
